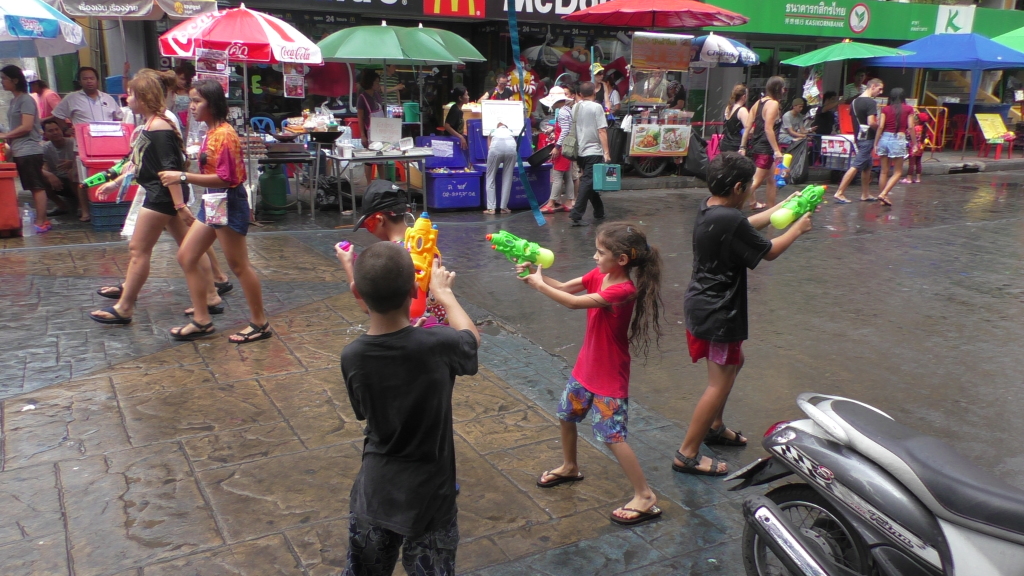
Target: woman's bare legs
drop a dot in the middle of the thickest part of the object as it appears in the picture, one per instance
(197, 242)
(897, 173)
(218, 272)
(148, 228)
(237, 254)
(759, 177)
(176, 228)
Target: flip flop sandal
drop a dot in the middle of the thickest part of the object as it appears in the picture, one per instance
(643, 516)
(211, 308)
(202, 330)
(566, 208)
(506, 211)
(840, 201)
(257, 333)
(222, 289)
(111, 294)
(884, 201)
(548, 210)
(559, 479)
(716, 436)
(758, 206)
(871, 199)
(117, 318)
(690, 466)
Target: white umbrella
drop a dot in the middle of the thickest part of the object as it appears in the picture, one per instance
(32, 28)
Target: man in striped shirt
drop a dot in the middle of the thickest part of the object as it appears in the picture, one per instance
(392, 86)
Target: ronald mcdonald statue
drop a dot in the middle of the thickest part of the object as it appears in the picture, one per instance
(530, 85)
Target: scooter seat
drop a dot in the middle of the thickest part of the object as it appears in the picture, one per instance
(949, 484)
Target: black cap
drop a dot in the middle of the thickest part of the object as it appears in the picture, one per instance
(382, 196)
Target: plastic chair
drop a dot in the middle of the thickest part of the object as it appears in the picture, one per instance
(263, 125)
(960, 133)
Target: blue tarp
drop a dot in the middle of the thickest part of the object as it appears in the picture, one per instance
(955, 52)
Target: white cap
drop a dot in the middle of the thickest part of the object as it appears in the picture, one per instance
(31, 76)
(555, 95)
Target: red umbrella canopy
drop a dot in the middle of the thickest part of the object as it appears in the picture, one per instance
(246, 35)
(657, 14)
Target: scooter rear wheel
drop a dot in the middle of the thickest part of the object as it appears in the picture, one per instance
(819, 522)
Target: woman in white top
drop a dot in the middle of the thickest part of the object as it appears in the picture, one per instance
(501, 151)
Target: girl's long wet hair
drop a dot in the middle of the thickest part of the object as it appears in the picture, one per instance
(149, 88)
(644, 268)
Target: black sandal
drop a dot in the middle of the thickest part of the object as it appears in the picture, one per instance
(211, 308)
(254, 334)
(223, 287)
(641, 516)
(112, 295)
(717, 436)
(690, 466)
(117, 318)
(203, 330)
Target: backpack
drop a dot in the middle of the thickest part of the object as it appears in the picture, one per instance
(570, 144)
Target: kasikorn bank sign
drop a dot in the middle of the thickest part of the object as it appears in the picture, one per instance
(868, 19)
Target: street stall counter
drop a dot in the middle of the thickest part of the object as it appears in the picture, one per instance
(450, 183)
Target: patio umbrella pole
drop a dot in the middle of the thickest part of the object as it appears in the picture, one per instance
(124, 44)
(248, 144)
(707, 84)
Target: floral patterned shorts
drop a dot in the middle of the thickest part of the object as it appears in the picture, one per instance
(609, 419)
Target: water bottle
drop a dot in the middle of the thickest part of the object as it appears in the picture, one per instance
(28, 220)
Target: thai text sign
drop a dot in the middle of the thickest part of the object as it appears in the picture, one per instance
(661, 51)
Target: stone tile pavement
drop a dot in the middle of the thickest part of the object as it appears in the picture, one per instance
(125, 453)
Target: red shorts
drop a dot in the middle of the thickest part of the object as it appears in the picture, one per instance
(721, 353)
(764, 161)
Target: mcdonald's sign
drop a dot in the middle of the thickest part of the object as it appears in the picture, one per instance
(459, 8)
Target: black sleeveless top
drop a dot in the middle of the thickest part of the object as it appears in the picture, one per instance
(733, 134)
(758, 140)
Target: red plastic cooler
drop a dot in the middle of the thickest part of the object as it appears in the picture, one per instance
(99, 153)
(10, 217)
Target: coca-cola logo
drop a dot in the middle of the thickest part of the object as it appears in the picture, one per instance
(180, 39)
(296, 53)
(238, 51)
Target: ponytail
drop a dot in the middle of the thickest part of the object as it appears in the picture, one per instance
(644, 268)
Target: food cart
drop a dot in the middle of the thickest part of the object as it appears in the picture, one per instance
(657, 134)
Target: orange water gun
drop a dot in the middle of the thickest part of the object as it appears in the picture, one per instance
(421, 242)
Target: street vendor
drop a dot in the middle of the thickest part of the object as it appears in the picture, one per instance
(501, 90)
(88, 104)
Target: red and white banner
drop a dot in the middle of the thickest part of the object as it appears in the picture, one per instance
(246, 35)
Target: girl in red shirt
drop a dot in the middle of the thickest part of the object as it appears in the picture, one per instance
(627, 280)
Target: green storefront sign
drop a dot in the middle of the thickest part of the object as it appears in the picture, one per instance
(868, 19)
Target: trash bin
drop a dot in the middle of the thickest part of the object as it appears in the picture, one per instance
(10, 218)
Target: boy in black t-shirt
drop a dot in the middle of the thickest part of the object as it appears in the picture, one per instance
(725, 244)
(400, 380)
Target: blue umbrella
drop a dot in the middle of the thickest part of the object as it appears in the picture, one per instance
(955, 52)
(722, 51)
(32, 28)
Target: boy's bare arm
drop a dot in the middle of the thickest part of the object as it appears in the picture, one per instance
(780, 244)
(762, 219)
(441, 281)
(346, 257)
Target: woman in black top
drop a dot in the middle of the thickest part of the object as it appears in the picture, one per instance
(453, 122)
(156, 146)
(735, 119)
(676, 96)
(761, 131)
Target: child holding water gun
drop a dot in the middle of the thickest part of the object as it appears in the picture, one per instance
(627, 279)
(914, 172)
(725, 244)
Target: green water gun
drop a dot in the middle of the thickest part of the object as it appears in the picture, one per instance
(105, 176)
(520, 251)
(799, 204)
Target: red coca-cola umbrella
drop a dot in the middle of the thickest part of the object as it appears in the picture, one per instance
(657, 14)
(246, 35)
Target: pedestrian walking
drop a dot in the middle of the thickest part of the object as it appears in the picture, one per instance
(400, 380)
(760, 131)
(156, 146)
(501, 153)
(864, 111)
(725, 245)
(221, 171)
(561, 100)
(897, 121)
(592, 142)
(25, 138)
(623, 304)
(735, 119)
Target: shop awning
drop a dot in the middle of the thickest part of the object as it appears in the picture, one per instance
(137, 9)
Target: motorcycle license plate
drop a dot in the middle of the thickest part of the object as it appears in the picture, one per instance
(749, 468)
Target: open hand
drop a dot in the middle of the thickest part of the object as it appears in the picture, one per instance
(106, 190)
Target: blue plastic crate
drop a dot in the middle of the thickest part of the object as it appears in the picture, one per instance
(478, 142)
(454, 191)
(115, 85)
(458, 159)
(607, 177)
(108, 216)
(539, 179)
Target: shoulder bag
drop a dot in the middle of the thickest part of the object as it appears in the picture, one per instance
(570, 144)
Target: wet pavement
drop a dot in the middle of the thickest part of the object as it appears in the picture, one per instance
(126, 453)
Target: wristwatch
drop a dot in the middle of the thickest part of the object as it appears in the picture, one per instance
(183, 177)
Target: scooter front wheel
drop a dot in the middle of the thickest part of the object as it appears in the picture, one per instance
(819, 522)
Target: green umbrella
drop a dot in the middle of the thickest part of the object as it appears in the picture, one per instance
(456, 45)
(845, 50)
(384, 45)
(1012, 39)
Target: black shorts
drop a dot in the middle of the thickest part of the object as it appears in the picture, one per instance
(30, 170)
(162, 204)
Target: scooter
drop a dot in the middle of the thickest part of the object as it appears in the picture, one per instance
(876, 498)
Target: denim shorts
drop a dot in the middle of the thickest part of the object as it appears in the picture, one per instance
(609, 418)
(892, 145)
(238, 210)
(863, 160)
